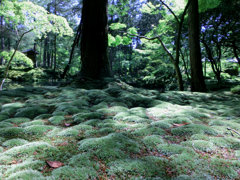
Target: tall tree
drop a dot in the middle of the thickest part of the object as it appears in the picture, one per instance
(197, 80)
(94, 40)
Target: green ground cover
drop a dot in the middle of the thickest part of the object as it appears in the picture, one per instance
(119, 132)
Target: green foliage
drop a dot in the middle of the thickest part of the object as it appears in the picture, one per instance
(18, 60)
(34, 17)
(117, 26)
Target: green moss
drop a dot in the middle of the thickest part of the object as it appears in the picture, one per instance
(225, 168)
(26, 175)
(37, 129)
(121, 115)
(147, 131)
(193, 129)
(236, 90)
(18, 120)
(28, 149)
(147, 167)
(56, 120)
(135, 119)
(69, 132)
(68, 172)
(200, 145)
(3, 116)
(14, 142)
(83, 160)
(170, 149)
(199, 137)
(15, 105)
(43, 116)
(152, 141)
(99, 106)
(1, 150)
(27, 164)
(160, 124)
(81, 117)
(109, 147)
(228, 142)
(31, 112)
(230, 124)
(186, 163)
(35, 122)
(11, 132)
(111, 111)
(5, 124)
(138, 111)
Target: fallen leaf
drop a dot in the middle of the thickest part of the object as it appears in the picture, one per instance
(179, 125)
(55, 164)
(67, 124)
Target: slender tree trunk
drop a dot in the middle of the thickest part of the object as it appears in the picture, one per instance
(94, 40)
(2, 39)
(45, 52)
(55, 41)
(75, 42)
(197, 80)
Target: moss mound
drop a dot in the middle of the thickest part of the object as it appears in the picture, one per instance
(110, 147)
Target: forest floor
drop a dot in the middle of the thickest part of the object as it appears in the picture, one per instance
(119, 132)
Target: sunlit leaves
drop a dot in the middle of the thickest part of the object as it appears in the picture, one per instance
(208, 4)
(19, 58)
(149, 8)
(117, 26)
(31, 16)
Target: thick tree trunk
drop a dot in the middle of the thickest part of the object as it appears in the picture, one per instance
(94, 40)
(197, 80)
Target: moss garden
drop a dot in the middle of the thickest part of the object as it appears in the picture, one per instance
(118, 132)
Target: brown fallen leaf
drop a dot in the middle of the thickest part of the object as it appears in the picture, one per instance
(55, 164)
(179, 125)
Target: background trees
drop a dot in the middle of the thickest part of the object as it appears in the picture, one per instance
(146, 43)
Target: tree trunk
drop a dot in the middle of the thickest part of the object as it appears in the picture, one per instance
(45, 52)
(2, 39)
(94, 40)
(197, 79)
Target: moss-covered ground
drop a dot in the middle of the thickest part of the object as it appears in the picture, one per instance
(118, 132)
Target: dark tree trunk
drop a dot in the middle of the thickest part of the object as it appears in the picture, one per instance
(94, 40)
(2, 40)
(197, 79)
(45, 52)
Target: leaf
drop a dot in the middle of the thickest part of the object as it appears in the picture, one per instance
(67, 124)
(179, 125)
(55, 164)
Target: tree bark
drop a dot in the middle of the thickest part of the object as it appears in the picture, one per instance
(94, 40)
(197, 79)
(2, 40)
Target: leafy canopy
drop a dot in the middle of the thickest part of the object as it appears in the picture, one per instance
(34, 17)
